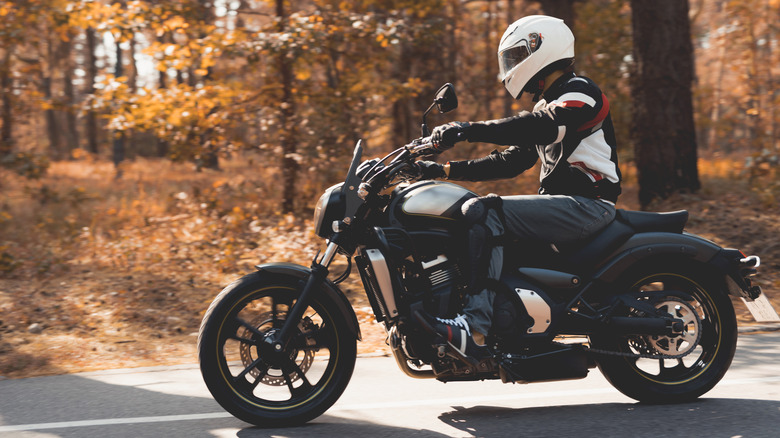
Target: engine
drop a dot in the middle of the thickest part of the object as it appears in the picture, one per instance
(443, 277)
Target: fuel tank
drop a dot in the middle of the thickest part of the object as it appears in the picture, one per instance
(427, 205)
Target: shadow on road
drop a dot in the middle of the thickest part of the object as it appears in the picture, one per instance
(704, 417)
(143, 409)
(323, 427)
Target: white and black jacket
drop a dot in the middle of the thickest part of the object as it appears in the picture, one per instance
(570, 130)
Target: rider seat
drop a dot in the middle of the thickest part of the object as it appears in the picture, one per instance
(644, 222)
(582, 256)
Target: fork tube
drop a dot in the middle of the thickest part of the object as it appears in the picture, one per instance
(319, 272)
(330, 253)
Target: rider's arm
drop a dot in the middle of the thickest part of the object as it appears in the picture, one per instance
(507, 164)
(525, 128)
(573, 115)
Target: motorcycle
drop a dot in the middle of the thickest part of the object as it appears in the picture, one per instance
(644, 301)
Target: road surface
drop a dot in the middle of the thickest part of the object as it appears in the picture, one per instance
(381, 401)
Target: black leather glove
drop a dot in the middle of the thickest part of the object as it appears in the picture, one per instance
(445, 136)
(430, 170)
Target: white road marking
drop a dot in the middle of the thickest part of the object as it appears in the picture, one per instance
(355, 407)
(112, 421)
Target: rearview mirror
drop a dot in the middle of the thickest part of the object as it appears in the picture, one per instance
(446, 99)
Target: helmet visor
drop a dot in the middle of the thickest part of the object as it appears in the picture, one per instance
(511, 57)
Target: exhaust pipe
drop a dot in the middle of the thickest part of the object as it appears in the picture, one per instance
(403, 361)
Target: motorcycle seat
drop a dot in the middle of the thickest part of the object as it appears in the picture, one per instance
(582, 255)
(643, 222)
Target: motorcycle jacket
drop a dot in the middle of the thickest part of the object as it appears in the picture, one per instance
(570, 130)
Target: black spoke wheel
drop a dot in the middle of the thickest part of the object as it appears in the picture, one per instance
(705, 349)
(253, 380)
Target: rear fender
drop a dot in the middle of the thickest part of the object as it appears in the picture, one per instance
(330, 289)
(645, 245)
(738, 269)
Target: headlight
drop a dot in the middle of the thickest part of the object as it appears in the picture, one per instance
(330, 207)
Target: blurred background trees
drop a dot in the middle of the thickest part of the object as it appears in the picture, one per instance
(293, 84)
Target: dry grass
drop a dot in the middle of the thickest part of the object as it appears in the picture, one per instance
(118, 273)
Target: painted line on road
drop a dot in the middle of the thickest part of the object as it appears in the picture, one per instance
(355, 407)
(112, 421)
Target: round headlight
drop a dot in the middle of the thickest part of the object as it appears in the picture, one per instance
(330, 207)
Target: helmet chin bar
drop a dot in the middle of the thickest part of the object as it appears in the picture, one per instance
(537, 84)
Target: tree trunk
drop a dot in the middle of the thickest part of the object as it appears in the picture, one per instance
(72, 130)
(52, 130)
(163, 148)
(132, 85)
(663, 131)
(510, 18)
(716, 97)
(563, 9)
(209, 154)
(490, 62)
(45, 87)
(90, 128)
(6, 88)
(118, 150)
(287, 122)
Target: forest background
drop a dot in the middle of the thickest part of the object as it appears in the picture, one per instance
(152, 152)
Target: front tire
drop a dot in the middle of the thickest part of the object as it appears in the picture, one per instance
(261, 386)
(686, 378)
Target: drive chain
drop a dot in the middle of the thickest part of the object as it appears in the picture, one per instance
(636, 355)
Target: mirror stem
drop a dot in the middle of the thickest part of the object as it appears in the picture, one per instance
(425, 131)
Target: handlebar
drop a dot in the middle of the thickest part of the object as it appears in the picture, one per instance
(421, 146)
(424, 145)
(405, 157)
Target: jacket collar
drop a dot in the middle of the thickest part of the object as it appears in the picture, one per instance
(556, 89)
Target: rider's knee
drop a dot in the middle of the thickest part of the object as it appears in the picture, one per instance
(486, 211)
(476, 210)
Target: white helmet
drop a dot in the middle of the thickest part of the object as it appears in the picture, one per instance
(528, 46)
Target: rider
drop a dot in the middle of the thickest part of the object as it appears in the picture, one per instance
(569, 129)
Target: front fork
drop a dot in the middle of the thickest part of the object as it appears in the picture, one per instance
(319, 272)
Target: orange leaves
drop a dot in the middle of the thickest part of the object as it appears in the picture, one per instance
(176, 23)
(382, 40)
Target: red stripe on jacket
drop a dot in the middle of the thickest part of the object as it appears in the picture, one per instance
(599, 117)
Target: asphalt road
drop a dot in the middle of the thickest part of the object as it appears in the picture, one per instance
(381, 401)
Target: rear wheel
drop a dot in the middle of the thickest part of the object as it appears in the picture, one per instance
(702, 354)
(266, 387)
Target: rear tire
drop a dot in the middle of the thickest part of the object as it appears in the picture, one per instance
(258, 385)
(686, 378)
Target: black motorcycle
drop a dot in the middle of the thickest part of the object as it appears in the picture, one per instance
(643, 300)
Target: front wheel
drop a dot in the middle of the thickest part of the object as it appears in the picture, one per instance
(274, 388)
(701, 355)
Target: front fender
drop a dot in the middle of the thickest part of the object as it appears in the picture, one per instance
(645, 245)
(330, 289)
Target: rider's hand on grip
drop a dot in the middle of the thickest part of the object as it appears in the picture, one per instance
(445, 136)
(430, 170)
